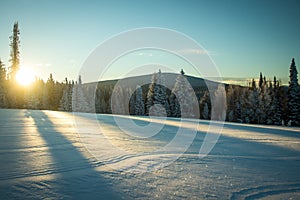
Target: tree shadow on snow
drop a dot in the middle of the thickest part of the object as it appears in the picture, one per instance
(75, 174)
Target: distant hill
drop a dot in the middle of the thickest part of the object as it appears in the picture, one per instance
(199, 84)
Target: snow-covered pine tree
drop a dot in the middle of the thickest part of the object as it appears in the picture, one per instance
(218, 110)
(245, 106)
(98, 98)
(205, 106)
(270, 108)
(276, 103)
(118, 100)
(39, 92)
(79, 102)
(185, 98)
(230, 104)
(132, 101)
(150, 94)
(234, 103)
(254, 102)
(45, 99)
(31, 100)
(293, 96)
(157, 98)
(264, 102)
(238, 111)
(238, 104)
(105, 92)
(174, 106)
(269, 103)
(128, 94)
(51, 94)
(32, 96)
(139, 102)
(66, 100)
(161, 82)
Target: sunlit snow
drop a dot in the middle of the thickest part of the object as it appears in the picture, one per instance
(48, 155)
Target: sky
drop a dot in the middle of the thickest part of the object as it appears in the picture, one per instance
(242, 37)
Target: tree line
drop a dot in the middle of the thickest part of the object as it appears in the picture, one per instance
(262, 102)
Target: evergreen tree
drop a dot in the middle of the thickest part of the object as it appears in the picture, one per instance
(79, 102)
(293, 96)
(162, 91)
(254, 111)
(132, 102)
(238, 111)
(139, 102)
(103, 98)
(14, 52)
(157, 98)
(230, 104)
(32, 95)
(205, 106)
(186, 101)
(234, 107)
(38, 91)
(218, 111)
(45, 99)
(174, 106)
(261, 81)
(54, 93)
(15, 95)
(150, 94)
(66, 100)
(270, 104)
(276, 104)
(245, 106)
(118, 101)
(3, 101)
(50, 86)
(264, 101)
(31, 99)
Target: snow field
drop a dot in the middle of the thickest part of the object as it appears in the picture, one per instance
(43, 157)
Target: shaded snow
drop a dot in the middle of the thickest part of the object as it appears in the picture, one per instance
(42, 156)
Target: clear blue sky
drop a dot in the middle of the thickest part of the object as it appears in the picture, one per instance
(245, 37)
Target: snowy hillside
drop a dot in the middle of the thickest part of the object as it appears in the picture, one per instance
(58, 155)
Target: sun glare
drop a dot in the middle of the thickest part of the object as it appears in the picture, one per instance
(25, 76)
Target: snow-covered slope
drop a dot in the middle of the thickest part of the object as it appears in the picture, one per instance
(55, 155)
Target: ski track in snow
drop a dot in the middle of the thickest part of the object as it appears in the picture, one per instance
(42, 157)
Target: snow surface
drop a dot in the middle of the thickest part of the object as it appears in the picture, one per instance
(52, 155)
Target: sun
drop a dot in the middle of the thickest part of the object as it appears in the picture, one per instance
(25, 76)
